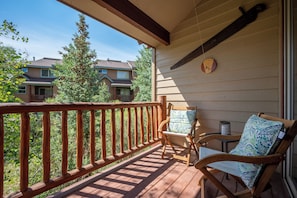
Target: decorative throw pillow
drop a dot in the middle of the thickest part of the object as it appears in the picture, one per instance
(258, 137)
(181, 121)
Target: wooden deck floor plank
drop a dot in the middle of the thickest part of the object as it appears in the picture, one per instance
(153, 187)
(164, 183)
(193, 188)
(149, 176)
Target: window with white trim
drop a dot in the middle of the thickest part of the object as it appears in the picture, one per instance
(47, 73)
(103, 71)
(123, 75)
(22, 89)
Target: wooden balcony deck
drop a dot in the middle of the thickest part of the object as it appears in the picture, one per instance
(147, 175)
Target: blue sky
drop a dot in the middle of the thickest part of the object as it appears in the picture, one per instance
(50, 25)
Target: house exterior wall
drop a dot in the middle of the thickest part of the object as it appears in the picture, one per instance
(248, 78)
(34, 72)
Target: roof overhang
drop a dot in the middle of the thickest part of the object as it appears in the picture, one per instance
(148, 21)
(120, 85)
(38, 83)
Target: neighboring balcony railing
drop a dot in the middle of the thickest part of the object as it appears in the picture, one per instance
(115, 131)
(39, 98)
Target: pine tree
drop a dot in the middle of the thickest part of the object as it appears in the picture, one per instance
(142, 84)
(77, 79)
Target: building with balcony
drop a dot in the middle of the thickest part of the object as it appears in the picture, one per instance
(39, 85)
(118, 76)
(39, 80)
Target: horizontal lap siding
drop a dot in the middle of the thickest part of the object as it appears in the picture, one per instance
(248, 77)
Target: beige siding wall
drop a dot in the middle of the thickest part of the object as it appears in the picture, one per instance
(34, 72)
(248, 77)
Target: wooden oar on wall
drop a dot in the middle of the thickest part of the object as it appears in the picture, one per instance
(238, 24)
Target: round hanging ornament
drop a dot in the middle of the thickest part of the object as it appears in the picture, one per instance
(208, 65)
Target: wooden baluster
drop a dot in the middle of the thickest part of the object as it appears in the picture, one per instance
(122, 130)
(162, 112)
(46, 147)
(113, 132)
(1, 155)
(155, 126)
(141, 126)
(148, 124)
(92, 137)
(129, 130)
(153, 122)
(64, 142)
(24, 152)
(135, 127)
(79, 139)
(103, 134)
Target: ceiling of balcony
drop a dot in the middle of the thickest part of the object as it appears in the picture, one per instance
(148, 21)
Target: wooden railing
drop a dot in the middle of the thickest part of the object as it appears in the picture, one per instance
(131, 127)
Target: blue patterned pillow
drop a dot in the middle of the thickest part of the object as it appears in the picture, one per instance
(258, 137)
(181, 121)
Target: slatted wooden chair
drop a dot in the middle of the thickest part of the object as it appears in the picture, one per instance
(261, 148)
(181, 126)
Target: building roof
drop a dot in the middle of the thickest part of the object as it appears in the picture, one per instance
(115, 64)
(44, 62)
(37, 81)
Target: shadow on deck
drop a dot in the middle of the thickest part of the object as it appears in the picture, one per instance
(147, 175)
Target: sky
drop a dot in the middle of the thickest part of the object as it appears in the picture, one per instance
(50, 25)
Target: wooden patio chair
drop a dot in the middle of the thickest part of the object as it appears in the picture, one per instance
(261, 148)
(181, 124)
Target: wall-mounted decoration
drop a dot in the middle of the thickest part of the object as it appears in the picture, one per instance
(208, 65)
(246, 18)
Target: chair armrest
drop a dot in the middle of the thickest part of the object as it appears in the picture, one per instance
(160, 128)
(268, 159)
(217, 136)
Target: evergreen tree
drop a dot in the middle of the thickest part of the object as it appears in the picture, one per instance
(142, 84)
(77, 80)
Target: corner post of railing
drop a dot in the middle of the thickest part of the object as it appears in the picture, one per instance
(1, 155)
(162, 109)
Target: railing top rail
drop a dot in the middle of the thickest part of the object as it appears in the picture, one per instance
(41, 106)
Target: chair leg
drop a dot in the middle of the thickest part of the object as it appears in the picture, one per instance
(202, 187)
(163, 151)
(166, 142)
(217, 183)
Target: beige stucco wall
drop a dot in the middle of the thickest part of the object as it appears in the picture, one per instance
(248, 76)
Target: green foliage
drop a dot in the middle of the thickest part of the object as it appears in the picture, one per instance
(77, 80)
(142, 84)
(8, 29)
(11, 63)
(11, 137)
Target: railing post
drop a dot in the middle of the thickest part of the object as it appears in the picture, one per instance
(79, 139)
(1, 155)
(162, 110)
(46, 147)
(64, 142)
(24, 151)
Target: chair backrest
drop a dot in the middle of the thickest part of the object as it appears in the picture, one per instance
(182, 119)
(282, 147)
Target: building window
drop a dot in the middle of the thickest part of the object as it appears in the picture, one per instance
(22, 89)
(46, 73)
(123, 75)
(44, 91)
(103, 71)
(25, 70)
